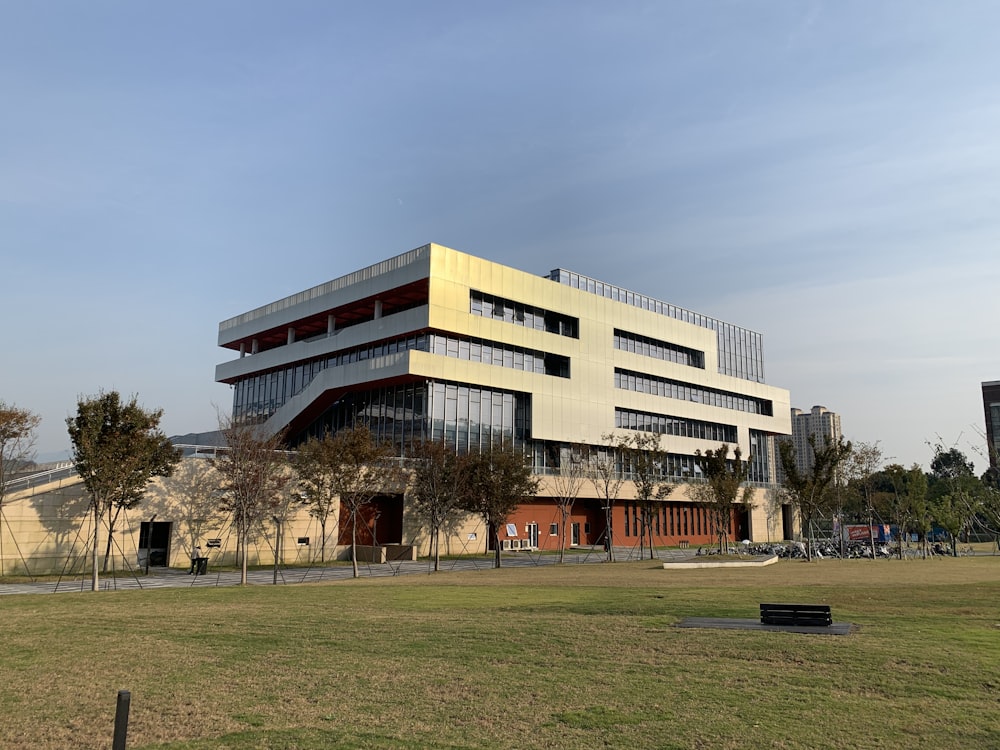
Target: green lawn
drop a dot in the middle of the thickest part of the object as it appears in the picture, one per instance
(576, 656)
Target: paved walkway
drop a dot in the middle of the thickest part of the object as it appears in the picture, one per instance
(161, 578)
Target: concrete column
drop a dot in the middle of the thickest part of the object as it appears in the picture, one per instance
(378, 309)
(243, 349)
(254, 346)
(331, 324)
(291, 335)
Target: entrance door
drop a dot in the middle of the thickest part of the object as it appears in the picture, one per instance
(154, 543)
(787, 522)
(574, 535)
(533, 535)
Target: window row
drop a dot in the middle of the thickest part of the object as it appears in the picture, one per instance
(740, 352)
(618, 294)
(467, 418)
(499, 308)
(649, 347)
(636, 381)
(740, 349)
(761, 450)
(501, 355)
(395, 414)
(629, 419)
(672, 519)
(257, 397)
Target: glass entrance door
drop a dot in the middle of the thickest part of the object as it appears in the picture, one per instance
(533, 535)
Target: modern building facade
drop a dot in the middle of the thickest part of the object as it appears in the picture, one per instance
(821, 425)
(991, 409)
(438, 344)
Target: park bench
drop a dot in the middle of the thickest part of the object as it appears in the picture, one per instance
(796, 614)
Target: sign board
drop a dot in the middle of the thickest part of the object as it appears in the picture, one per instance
(860, 533)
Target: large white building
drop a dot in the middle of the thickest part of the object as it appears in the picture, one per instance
(438, 344)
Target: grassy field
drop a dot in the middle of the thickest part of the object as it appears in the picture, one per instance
(558, 657)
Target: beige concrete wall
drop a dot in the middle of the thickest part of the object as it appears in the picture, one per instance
(49, 531)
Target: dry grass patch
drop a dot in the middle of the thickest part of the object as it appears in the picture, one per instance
(563, 657)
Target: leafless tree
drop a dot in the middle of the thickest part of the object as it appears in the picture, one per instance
(316, 482)
(360, 469)
(606, 475)
(645, 457)
(860, 472)
(566, 483)
(499, 479)
(437, 488)
(253, 469)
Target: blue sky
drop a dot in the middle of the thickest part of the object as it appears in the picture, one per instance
(826, 173)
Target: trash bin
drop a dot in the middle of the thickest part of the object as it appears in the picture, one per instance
(202, 565)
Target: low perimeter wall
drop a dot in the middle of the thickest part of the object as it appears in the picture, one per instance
(385, 553)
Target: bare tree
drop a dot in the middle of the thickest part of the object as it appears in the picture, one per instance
(645, 457)
(908, 501)
(499, 478)
(17, 451)
(253, 469)
(724, 478)
(316, 482)
(566, 483)
(607, 478)
(437, 489)
(118, 448)
(860, 472)
(360, 469)
(808, 491)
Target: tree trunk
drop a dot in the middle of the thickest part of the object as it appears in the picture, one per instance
(322, 543)
(652, 555)
(562, 538)
(609, 537)
(871, 532)
(354, 542)
(107, 551)
(243, 556)
(112, 520)
(94, 584)
(436, 543)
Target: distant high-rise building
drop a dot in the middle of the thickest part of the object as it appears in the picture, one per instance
(991, 406)
(820, 423)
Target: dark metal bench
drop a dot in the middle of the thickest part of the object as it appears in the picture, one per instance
(796, 614)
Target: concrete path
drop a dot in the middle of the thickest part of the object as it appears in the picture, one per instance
(161, 578)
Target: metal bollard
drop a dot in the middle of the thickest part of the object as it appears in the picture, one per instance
(121, 719)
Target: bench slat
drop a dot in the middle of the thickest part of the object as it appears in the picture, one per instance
(796, 614)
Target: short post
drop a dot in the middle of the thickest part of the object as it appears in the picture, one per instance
(121, 719)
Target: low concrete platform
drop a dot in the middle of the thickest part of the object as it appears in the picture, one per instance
(732, 623)
(706, 561)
